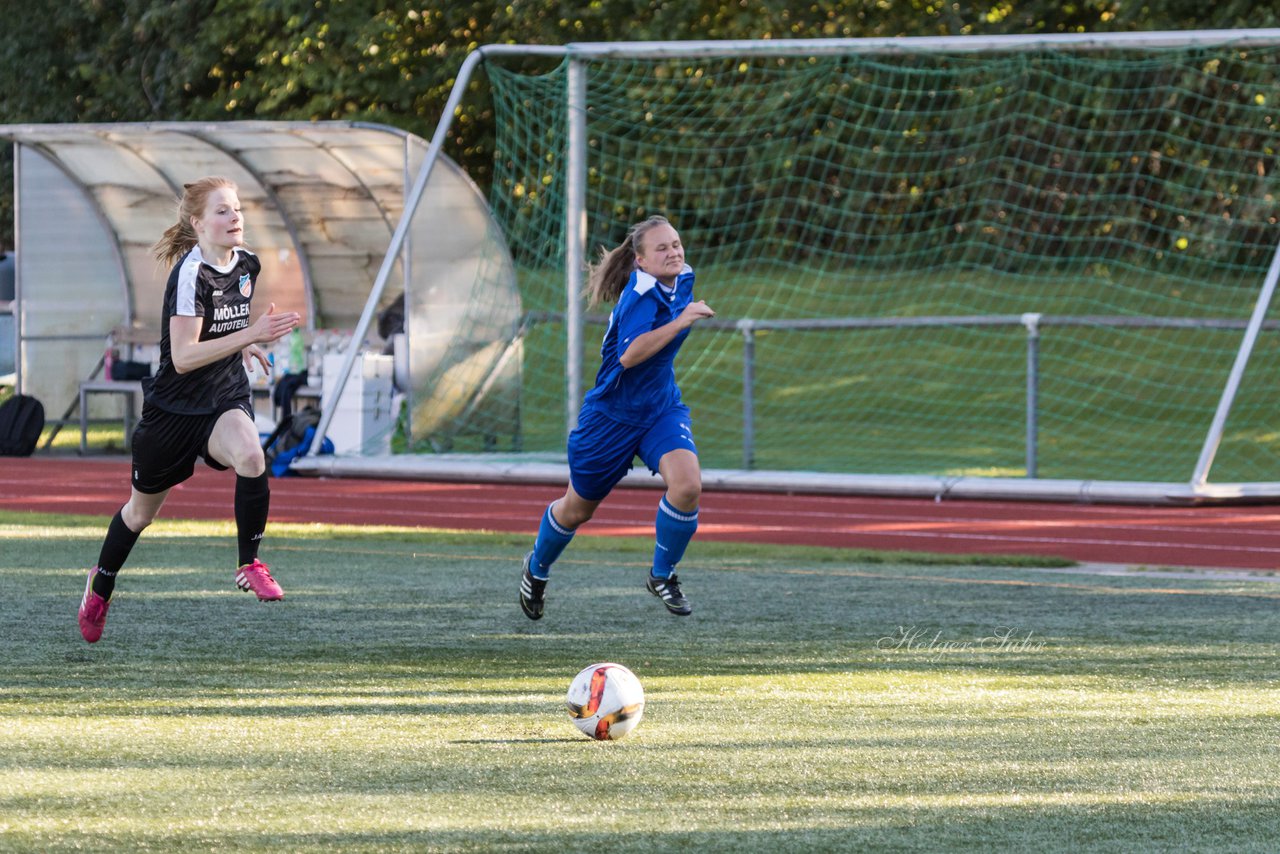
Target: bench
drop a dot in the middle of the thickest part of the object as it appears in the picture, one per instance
(132, 389)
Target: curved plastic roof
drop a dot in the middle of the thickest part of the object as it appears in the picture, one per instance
(321, 199)
(321, 202)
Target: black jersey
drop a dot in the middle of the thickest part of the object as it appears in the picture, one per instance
(220, 297)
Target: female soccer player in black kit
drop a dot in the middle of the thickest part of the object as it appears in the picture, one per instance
(199, 404)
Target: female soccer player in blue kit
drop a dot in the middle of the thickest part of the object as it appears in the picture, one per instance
(198, 405)
(633, 410)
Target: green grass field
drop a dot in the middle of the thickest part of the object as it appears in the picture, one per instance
(397, 700)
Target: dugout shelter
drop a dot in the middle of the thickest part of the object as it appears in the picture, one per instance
(321, 201)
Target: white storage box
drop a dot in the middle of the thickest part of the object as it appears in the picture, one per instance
(363, 420)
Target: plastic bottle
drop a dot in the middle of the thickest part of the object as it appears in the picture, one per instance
(108, 361)
(297, 352)
(280, 359)
(315, 356)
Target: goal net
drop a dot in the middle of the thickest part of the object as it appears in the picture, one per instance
(1036, 260)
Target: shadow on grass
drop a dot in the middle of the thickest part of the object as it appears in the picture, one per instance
(1086, 827)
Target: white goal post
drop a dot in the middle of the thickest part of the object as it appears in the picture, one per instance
(577, 165)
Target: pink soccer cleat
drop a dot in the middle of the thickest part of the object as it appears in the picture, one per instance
(256, 577)
(93, 611)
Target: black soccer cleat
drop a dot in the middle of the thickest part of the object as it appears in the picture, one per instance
(668, 590)
(532, 591)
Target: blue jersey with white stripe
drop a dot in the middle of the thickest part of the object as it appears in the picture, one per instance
(639, 394)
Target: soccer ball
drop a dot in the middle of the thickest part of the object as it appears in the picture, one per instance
(605, 701)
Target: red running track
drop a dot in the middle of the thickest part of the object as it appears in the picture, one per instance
(1241, 537)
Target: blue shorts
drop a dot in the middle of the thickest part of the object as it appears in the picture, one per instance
(602, 450)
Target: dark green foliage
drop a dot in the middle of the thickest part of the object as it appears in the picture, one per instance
(395, 62)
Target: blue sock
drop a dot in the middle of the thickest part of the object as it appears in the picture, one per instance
(552, 538)
(674, 530)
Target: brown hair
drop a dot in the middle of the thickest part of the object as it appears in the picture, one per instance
(606, 279)
(180, 237)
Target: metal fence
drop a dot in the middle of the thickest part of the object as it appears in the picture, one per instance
(1032, 322)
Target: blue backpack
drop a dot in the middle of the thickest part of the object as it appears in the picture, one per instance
(291, 439)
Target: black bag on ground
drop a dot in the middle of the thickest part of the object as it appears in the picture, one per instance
(21, 423)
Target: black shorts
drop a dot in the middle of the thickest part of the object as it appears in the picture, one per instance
(166, 445)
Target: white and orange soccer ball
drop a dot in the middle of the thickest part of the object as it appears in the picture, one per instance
(605, 701)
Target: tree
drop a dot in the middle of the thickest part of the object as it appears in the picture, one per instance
(394, 61)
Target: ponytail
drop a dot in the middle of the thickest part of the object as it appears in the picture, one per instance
(176, 242)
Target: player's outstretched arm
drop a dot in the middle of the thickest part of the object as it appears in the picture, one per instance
(644, 346)
(190, 353)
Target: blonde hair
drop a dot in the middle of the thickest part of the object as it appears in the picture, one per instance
(606, 279)
(178, 238)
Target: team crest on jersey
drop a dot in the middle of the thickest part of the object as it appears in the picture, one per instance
(246, 286)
